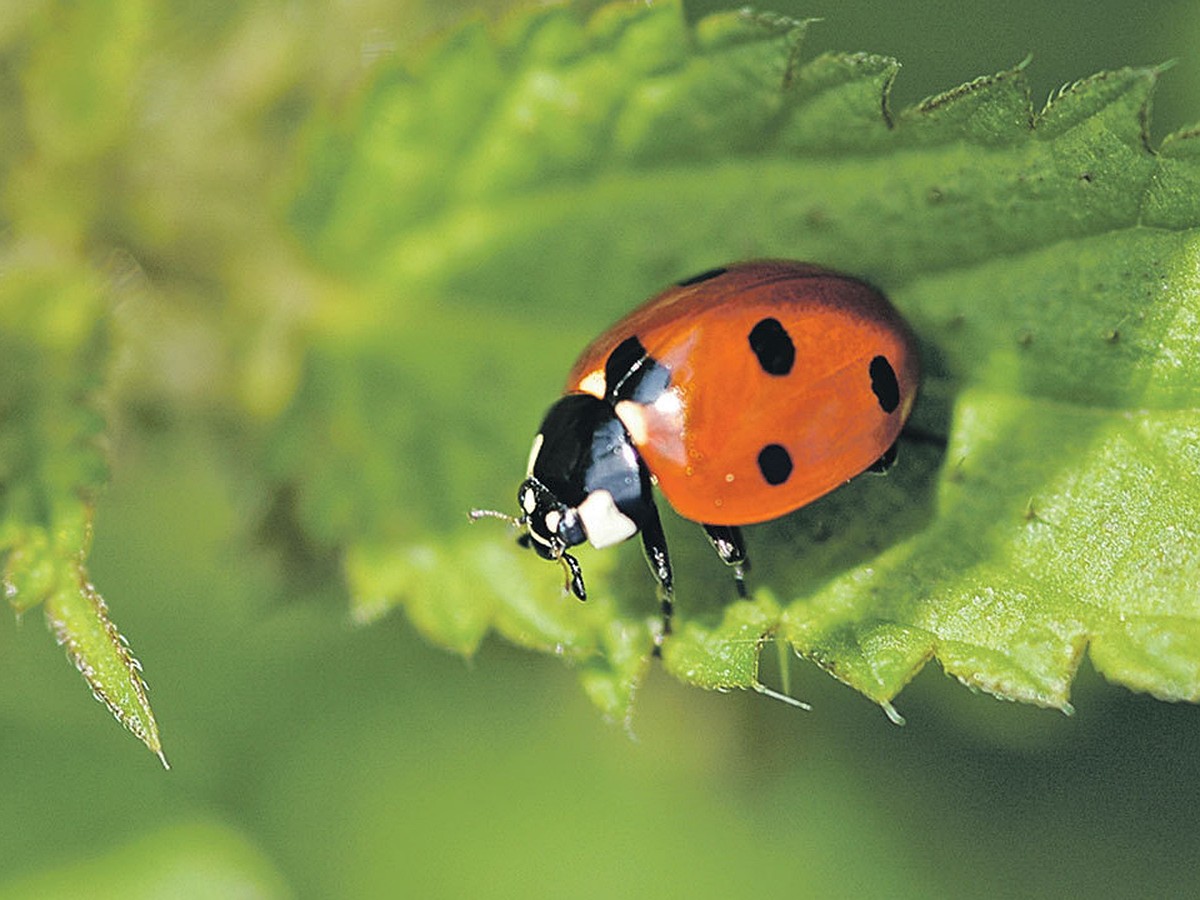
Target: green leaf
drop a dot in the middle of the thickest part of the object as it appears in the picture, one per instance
(52, 355)
(497, 207)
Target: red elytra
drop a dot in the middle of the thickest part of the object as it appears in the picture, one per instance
(835, 408)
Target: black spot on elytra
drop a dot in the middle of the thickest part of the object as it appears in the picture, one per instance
(703, 276)
(884, 384)
(775, 463)
(773, 346)
(631, 373)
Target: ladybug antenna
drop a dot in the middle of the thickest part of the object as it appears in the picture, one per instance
(476, 514)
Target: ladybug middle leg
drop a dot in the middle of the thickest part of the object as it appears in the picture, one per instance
(654, 544)
(727, 541)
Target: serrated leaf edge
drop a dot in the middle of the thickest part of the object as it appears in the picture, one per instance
(140, 722)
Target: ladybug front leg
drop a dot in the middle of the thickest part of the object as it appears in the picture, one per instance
(727, 541)
(654, 543)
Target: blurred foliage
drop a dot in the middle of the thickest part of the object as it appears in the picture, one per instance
(270, 380)
(196, 860)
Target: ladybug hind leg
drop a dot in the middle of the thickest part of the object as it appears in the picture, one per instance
(727, 541)
(884, 464)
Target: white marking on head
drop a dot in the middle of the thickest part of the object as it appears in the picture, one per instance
(593, 383)
(633, 417)
(533, 455)
(553, 520)
(604, 524)
(528, 501)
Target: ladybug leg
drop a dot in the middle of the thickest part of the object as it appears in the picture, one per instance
(727, 541)
(574, 576)
(654, 544)
(885, 462)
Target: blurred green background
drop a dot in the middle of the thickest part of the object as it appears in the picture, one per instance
(313, 758)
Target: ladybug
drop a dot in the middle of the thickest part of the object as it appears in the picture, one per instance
(743, 393)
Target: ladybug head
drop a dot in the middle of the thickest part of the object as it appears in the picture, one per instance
(585, 482)
(549, 526)
(552, 525)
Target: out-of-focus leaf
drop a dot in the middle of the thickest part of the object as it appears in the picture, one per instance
(195, 860)
(52, 356)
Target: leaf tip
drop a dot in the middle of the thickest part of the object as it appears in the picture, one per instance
(892, 713)
(989, 109)
(792, 30)
(78, 618)
(1128, 90)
